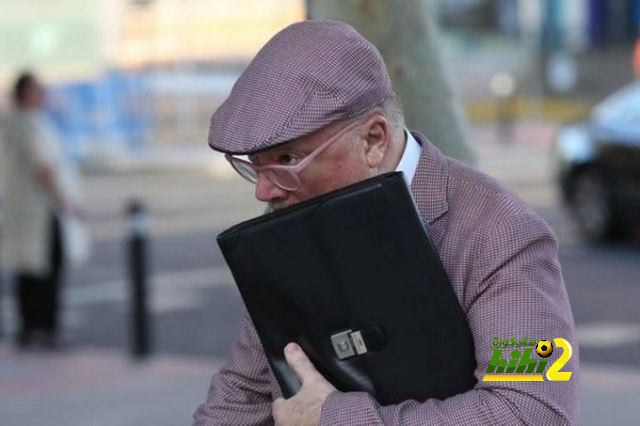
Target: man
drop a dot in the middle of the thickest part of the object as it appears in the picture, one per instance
(315, 111)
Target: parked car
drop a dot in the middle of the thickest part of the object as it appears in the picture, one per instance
(599, 166)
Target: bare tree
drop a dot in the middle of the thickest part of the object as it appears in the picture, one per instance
(406, 35)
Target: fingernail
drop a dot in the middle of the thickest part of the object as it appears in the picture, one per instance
(292, 348)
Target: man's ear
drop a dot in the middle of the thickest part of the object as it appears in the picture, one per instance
(377, 140)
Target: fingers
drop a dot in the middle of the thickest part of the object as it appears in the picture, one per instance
(300, 363)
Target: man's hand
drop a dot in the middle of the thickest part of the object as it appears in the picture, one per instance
(302, 409)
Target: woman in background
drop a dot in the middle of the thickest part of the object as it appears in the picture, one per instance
(39, 200)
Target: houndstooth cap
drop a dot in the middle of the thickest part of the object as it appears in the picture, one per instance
(307, 76)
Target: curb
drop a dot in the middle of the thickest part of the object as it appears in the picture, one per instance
(526, 108)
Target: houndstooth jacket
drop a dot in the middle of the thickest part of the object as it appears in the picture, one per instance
(502, 260)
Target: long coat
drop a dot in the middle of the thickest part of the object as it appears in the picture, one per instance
(31, 142)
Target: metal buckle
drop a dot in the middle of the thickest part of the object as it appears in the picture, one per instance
(348, 344)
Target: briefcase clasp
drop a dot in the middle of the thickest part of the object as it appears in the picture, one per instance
(348, 344)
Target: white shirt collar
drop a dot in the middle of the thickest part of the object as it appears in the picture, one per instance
(410, 158)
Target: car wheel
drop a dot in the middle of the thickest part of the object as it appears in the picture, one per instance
(591, 206)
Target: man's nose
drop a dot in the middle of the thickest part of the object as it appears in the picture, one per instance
(268, 191)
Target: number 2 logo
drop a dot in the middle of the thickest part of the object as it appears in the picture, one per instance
(554, 373)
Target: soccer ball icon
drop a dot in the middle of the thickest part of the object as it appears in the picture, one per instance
(544, 348)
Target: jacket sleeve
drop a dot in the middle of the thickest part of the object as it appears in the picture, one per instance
(516, 291)
(240, 393)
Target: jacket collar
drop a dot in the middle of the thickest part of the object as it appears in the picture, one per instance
(430, 183)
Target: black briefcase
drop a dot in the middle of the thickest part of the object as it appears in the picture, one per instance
(353, 278)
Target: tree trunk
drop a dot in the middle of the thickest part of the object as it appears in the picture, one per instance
(406, 35)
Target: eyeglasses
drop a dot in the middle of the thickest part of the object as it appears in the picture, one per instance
(285, 177)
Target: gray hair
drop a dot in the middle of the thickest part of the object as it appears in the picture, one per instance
(392, 111)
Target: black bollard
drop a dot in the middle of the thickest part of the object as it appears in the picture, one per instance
(505, 120)
(503, 86)
(1, 286)
(139, 274)
(1, 295)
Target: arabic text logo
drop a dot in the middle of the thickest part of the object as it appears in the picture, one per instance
(521, 361)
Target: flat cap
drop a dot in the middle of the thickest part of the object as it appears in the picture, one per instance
(307, 76)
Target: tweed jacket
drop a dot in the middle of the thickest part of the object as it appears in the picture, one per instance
(502, 260)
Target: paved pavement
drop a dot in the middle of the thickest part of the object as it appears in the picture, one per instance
(99, 388)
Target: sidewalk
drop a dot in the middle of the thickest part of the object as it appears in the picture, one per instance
(90, 387)
(105, 388)
(599, 73)
(197, 156)
(194, 156)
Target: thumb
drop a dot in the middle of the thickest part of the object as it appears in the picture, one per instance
(300, 363)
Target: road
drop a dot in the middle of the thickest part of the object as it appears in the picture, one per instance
(195, 307)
